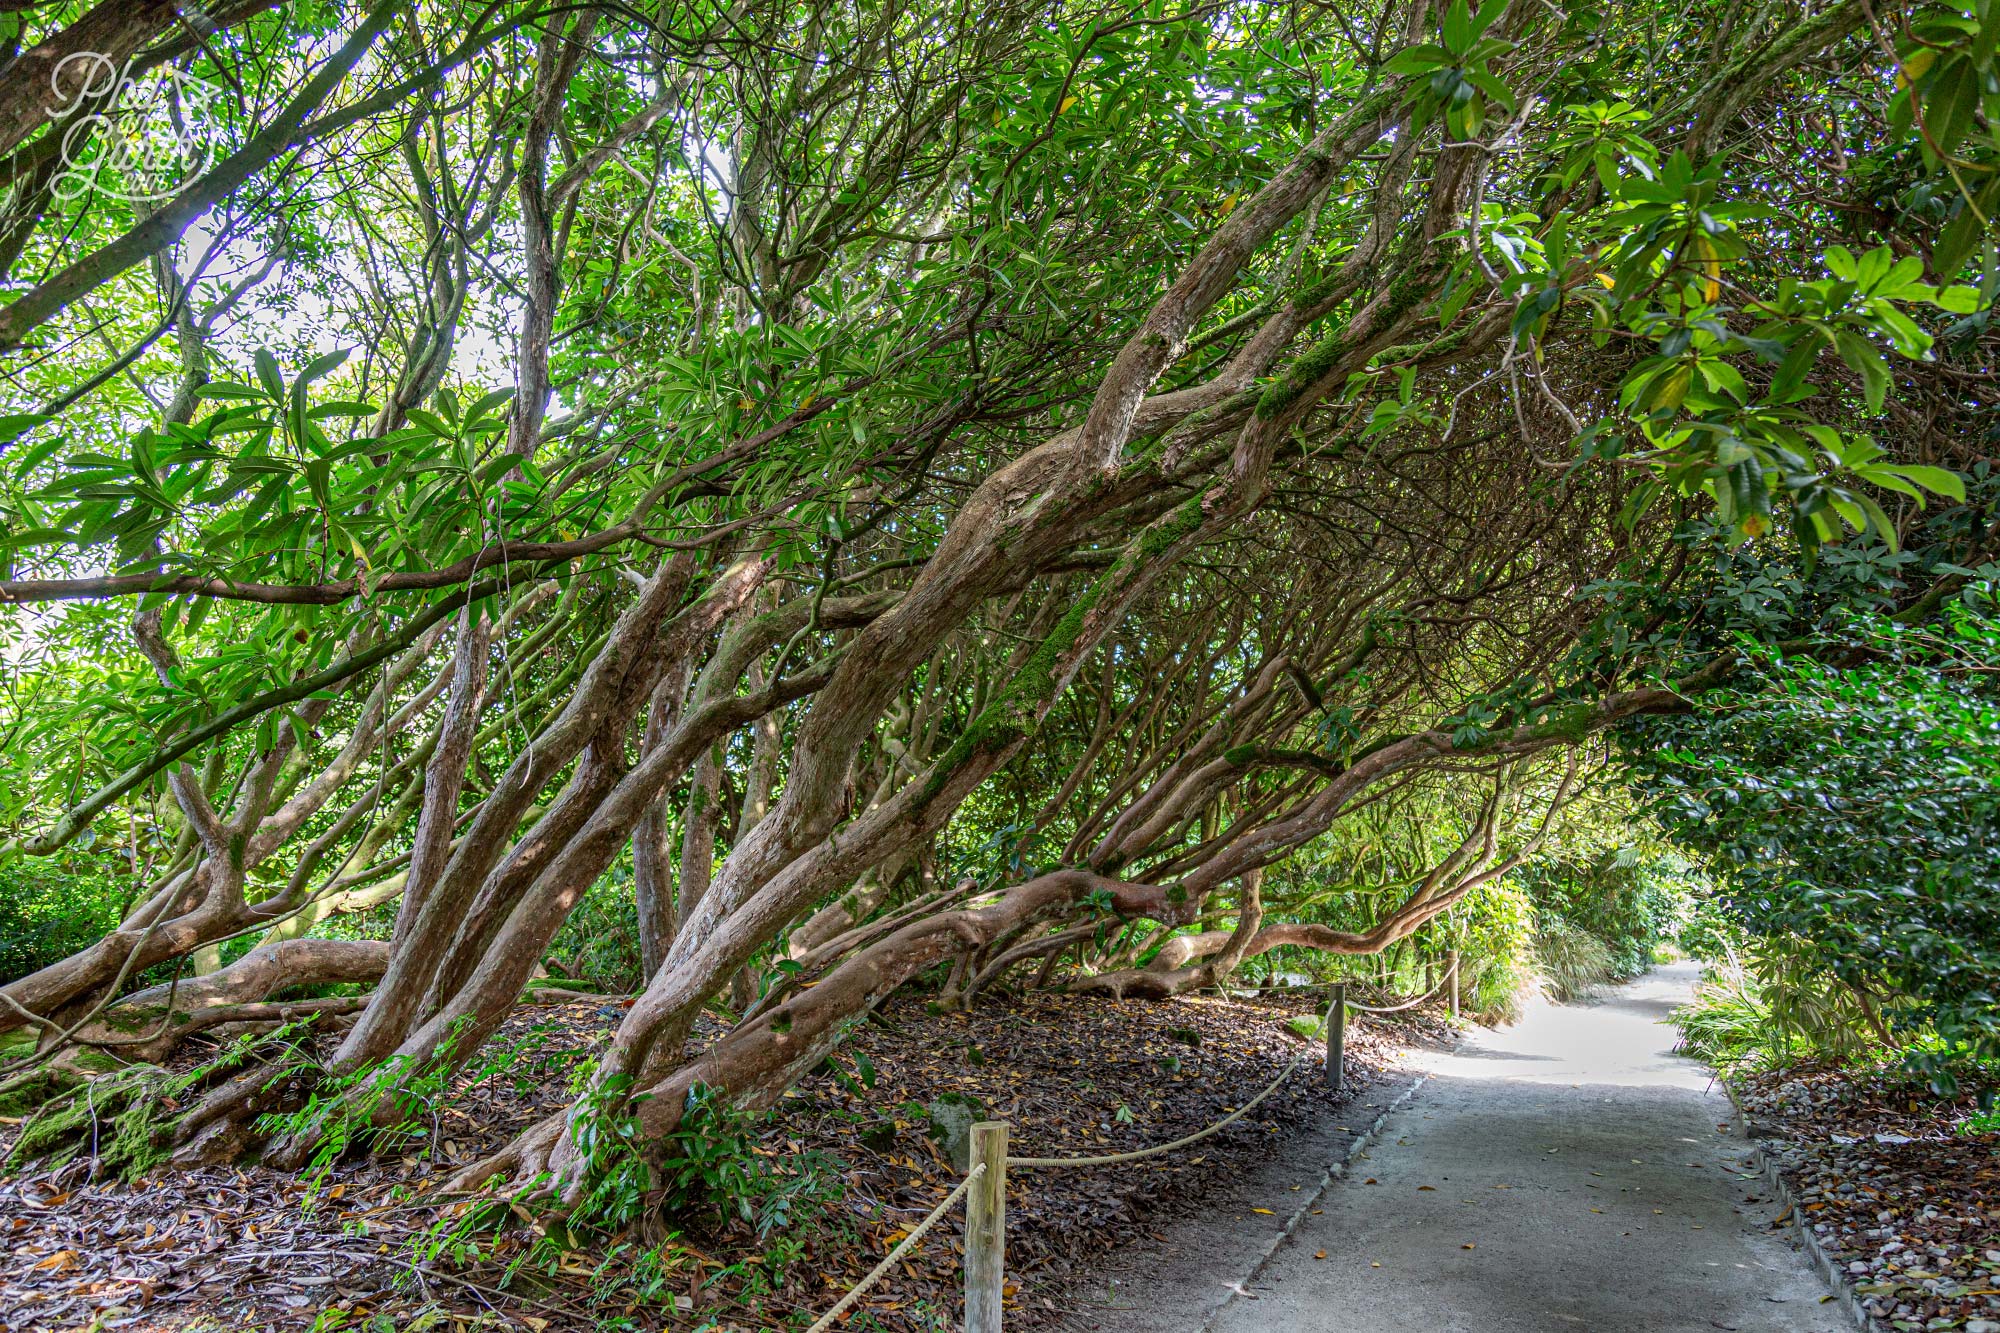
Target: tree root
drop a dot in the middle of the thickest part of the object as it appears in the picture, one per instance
(129, 1121)
(130, 1118)
(115, 1120)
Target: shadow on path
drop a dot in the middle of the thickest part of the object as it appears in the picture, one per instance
(1568, 1173)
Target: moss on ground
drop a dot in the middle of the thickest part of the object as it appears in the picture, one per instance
(121, 1121)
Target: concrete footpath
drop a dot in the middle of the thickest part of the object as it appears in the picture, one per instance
(1569, 1172)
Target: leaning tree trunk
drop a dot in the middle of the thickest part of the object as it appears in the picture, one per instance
(444, 777)
(476, 941)
(761, 1057)
(652, 875)
(146, 1027)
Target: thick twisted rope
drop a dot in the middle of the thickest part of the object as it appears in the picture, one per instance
(1407, 1004)
(1195, 1137)
(1369, 1008)
(903, 1247)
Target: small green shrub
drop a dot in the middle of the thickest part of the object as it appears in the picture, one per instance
(1981, 1122)
(1769, 1011)
(709, 1172)
(393, 1103)
(1728, 1025)
(1573, 959)
(1710, 932)
(1496, 950)
(50, 909)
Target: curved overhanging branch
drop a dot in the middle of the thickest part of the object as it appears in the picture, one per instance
(146, 1026)
(1476, 861)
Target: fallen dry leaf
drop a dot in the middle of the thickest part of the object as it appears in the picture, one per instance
(1055, 1064)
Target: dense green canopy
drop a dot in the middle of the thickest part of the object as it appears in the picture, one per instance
(1847, 784)
(883, 492)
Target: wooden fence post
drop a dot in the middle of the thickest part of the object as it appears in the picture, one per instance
(1454, 983)
(986, 1229)
(1336, 1039)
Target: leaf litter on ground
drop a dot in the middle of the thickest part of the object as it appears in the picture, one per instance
(256, 1248)
(1907, 1206)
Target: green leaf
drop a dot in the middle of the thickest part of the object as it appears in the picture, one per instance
(1458, 30)
(1789, 383)
(14, 425)
(268, 374)
(1981, 52)
(431, 422)
(226, 390)
(1668, 390)
(35, 455)
(1865, 361)
(496, 468)
(323, 366)
(1939, 481)
(343, 408)
(1878, 520)
(1959, 299)
(1948, 110)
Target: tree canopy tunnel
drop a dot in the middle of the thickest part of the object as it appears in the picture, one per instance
(915, 494)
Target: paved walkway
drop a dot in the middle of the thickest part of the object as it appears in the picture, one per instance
(1568, 1173)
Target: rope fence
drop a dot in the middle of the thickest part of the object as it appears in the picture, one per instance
(1112, 1159)
(986, 1177)
(903, 1247)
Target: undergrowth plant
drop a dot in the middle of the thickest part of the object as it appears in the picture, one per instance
(123, 1121)
(1495, 934)
(1852, 813)
(1981, 1122)
(1573, 960)
(1766, 1010)
(709, 1174)
(709, 1171)
(386, 1104)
